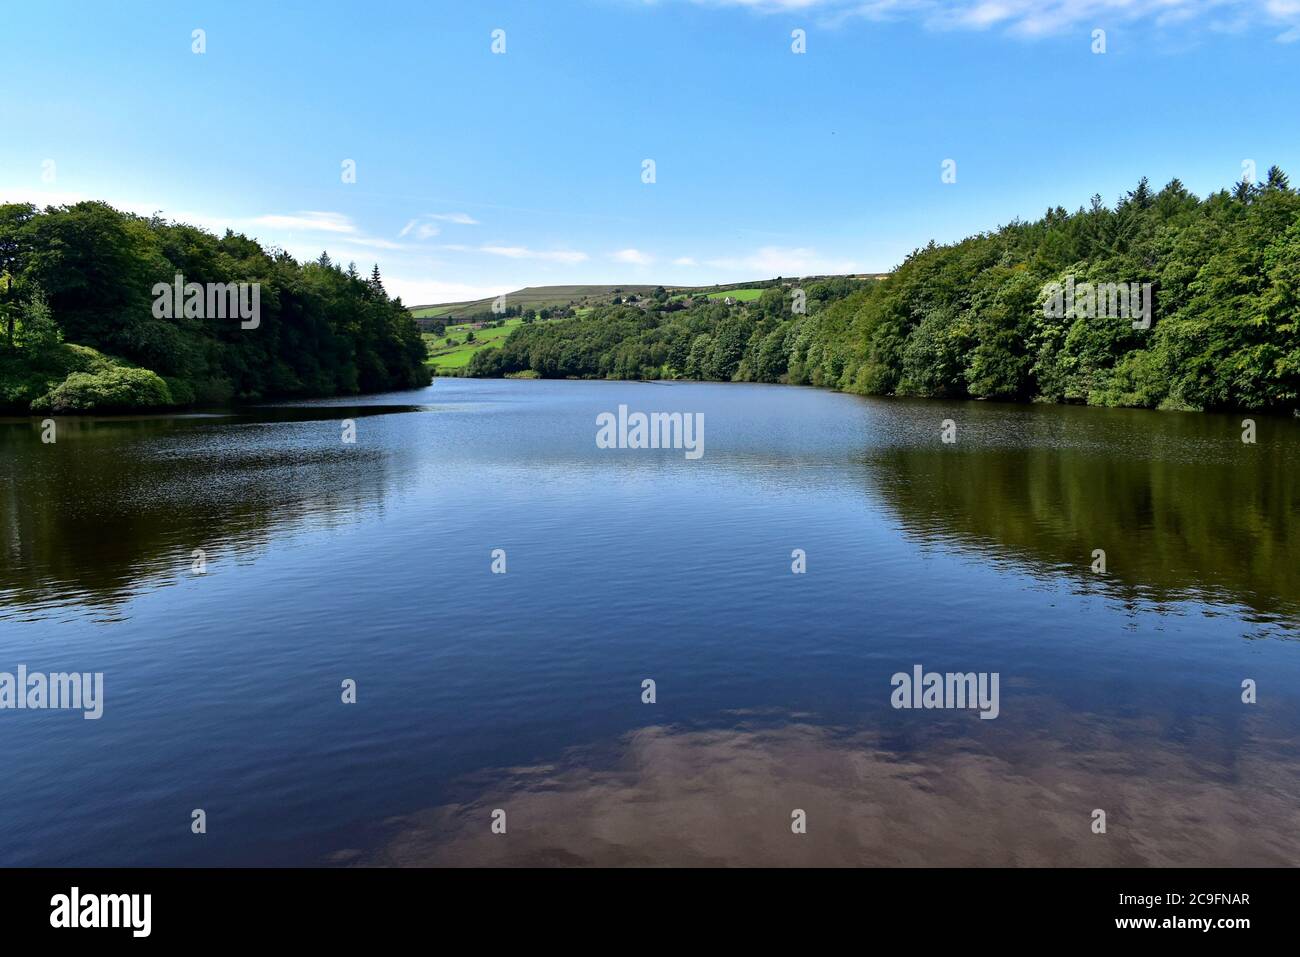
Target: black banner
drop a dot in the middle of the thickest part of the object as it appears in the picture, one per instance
(364, 905)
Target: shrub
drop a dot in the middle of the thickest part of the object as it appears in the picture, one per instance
(111, 390)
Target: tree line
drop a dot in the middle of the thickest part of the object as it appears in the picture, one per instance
(974, 319)
(80, 330)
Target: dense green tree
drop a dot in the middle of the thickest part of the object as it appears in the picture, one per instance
(79, 291)
(971, 319)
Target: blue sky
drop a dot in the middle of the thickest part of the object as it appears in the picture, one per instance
(478, 173)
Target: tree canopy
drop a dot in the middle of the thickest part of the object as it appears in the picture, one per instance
(77, 298)
(967, 320)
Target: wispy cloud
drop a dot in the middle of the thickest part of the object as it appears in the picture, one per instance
(308, 221)
(1035, 18)
(1286, 11)
(772, 261)
(633, 256)
(567, 256)
(371, 242)
(334, 228)
(303, 234)
(330, 227)
(464, 219)
(423, 291)
(425, 227)
(421, 230)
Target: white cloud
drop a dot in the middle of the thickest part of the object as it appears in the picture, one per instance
(1287, 11)
(568, 256)
(985, 14)
(305, 234)
(328, 229)
(464, 219)
(367, 242)
(421, 230)
(633, 256)
(767, 6)
(771, 261)
(42, 198)
(39, 197)
(313, 222)
(423, 291)
(271, 228)
(1034, 18)
(425, 227)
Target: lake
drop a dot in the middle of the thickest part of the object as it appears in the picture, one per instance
(372, 562)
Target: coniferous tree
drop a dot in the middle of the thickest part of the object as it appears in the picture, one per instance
(1141, 196)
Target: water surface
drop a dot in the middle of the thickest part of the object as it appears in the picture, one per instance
(372, 561)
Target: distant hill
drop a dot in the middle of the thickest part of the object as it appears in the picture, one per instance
(532, 297)
(537, 297)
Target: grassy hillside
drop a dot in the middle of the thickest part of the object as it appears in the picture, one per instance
(445, 358)
(531, 297)
(585, 298)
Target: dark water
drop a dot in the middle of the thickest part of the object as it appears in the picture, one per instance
(522, 691)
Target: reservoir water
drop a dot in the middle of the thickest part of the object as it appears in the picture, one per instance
(325, 561)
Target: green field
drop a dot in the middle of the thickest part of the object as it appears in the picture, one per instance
(740, 295)
(457, 355)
